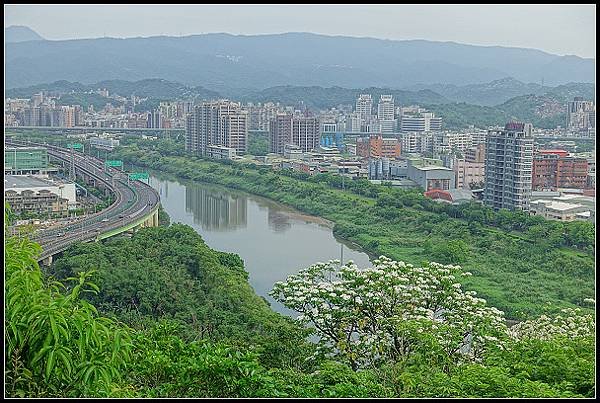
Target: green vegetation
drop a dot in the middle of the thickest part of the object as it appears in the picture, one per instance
(194, 328)
(86, 99)
(153, 88)
(164, 220)
(461, 115)
(522, 265)
(258, 143)
(56, 344)
(169, 273)
(527, 108)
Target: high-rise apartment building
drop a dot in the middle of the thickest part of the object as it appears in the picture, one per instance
(385, 108)
(306, 133)
(168, 109)
(581, 115)
(154, 119)
(218, 123)
(386, 114)
(475, 153)
(68, 114)
(280, 132)
(353, 122)
(302, 131)
(508, 167)
(260, 115)
(364, 106)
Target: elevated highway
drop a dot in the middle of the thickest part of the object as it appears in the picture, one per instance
(135, 205)
(89, 129)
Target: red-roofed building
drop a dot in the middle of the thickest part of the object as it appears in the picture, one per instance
(562, 153)
(454, 196)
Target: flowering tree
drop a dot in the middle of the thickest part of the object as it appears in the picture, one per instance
(391, 310)
(571, 323)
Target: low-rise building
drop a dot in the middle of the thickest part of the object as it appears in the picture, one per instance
(431, 176)
(220, 152)
(377, 146)
(104, 143)
(41, 202)
(25, 160)
(467, 173)
(351, 149)
(453, 196)
(557, 210)
(553, 169)
(292, 151)
(20, 183)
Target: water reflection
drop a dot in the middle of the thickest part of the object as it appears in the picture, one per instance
(278, 221)
(274, 241)
(216, 211)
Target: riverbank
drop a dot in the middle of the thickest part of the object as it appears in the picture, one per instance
(521, 275)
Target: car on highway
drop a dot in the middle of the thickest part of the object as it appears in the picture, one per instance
(105, 220)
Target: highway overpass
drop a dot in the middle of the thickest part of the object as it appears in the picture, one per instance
(136, 204)
(86, 129)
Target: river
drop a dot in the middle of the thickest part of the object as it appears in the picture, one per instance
(273, 240)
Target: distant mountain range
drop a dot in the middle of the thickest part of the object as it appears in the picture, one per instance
(20, 33)
(500, 91)
(224, 62)
(544, 106)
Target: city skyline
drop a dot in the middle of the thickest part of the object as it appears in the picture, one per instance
(568, 29)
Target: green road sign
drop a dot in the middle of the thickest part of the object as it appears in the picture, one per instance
(76, 145)
(113, 163)
(138, 175)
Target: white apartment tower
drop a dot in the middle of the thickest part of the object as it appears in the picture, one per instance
(385, 108)
(385, 114)
(364, 106)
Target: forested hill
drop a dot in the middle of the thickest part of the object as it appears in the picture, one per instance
(545, 107)
(221, 60)
(150, 88)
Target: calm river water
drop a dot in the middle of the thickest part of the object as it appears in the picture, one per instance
(273, 240)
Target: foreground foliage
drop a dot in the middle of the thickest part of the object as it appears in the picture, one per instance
(56, 343)
(168, 273)
(59, 345)
(391, 312)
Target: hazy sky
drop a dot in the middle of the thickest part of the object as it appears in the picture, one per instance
(558, 29)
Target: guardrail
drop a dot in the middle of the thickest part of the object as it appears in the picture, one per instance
(134, 202)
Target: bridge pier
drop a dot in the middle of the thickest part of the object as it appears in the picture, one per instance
(47, 261)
